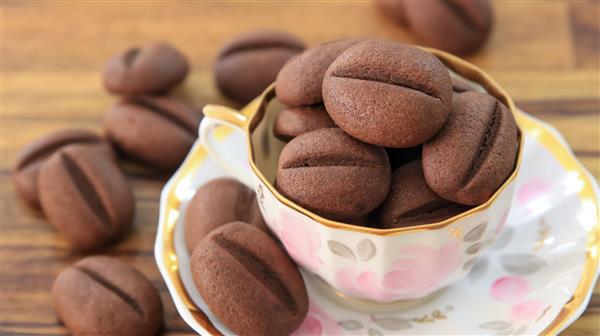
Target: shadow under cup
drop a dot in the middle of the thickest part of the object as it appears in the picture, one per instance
(335, 252)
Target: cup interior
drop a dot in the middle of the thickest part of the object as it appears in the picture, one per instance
(265, 146)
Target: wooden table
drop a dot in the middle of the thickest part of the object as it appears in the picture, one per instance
(545, 53)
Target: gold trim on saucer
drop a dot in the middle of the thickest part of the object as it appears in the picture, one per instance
(169, 255)
(588, 198)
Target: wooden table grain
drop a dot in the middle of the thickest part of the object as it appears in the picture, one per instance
(544, 53)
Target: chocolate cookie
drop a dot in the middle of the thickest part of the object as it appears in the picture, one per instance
(157, 131)
(26, 169)
(154, 68)
(219, 202)
(249, 282)
(411, 202)
(333, 174)
(392, 9)
(248, 64)
(85, 196)
(474, 153)
(103, 296)
(299, 81)
(388, 94)
(293, 121)
(457, 26)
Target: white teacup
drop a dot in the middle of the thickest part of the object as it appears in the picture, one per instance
(362, 262)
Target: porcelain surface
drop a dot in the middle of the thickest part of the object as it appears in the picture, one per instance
(536, 277)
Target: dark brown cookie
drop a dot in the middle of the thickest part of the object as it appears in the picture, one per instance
(411, 202)
(299, 81)
(249, 282)
(388, 94)
(457, 26)
(157, 131)
(154, 68)
(85, 196)
(333, 174)
(393, 9)
(474, 153)
(103, 296)
(217, 203)
(26, 169)
(293, 121)
(250, 62)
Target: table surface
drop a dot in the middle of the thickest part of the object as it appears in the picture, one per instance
(545, 54)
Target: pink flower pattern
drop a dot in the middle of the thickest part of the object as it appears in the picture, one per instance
(510, 289)
(301, 241)
(317, 322)
(502, 222)
(514, 290)
(526, 311)
(418, 272)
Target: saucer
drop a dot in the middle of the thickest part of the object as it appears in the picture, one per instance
(536, 279)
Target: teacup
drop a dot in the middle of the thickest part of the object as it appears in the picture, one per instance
(364, 263)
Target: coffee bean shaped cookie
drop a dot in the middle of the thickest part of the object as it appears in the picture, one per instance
(299, 81)
(388, 94)
(293, 121)
(217, 203)
(333, 174)
(248, 64)
(157, 131)
(394, 10)
(86, 197)
(154, 68)
(474, 153)
(411, 202)
(103, 296)
(26, 169)
(457, 26)
(249, 282)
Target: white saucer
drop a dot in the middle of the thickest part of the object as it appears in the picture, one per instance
(537, 278)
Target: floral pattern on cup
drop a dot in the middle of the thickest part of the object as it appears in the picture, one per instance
(502, 221)
(365, 250)
(417, 272)
(301, 241)
(389, 268)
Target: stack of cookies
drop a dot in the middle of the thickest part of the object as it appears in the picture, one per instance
(74, 177)
(380, 135)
